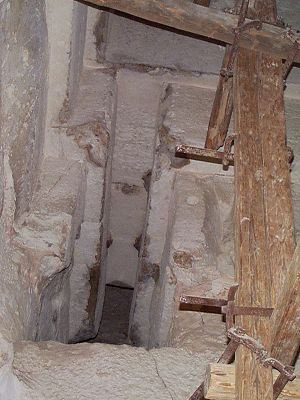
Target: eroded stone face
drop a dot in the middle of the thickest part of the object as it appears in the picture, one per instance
(188, 236)
(23, 80)
(44, 245)
(24, 55)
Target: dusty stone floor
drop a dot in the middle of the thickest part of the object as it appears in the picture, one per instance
(115, 318)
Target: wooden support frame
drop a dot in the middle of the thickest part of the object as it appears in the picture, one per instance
(204, 21)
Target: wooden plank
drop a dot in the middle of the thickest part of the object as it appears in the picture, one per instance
(221, 111)
(220, 384)
(254, 382)
(286, 316)
(203, 21)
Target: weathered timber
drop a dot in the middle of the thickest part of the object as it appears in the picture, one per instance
(206, 154)
(286, 316)
(265, 251)
(253, 272)
(222, 110)
(223, 102)
(279, 217)
(220, 384)
(204, 21)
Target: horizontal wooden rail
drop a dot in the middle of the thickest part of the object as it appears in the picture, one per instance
(203, 21)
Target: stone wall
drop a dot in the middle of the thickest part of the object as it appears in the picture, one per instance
(23, 80)
(187, 242)
(52, 158)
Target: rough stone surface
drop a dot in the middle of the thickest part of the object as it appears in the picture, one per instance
(187, 241)
(54, 371)
(66, 26)
(24, 58)
(138, 98)
(91, 129)
(44, 245)
(23, 79)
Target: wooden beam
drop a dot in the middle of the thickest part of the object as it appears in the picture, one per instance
(220, 384)
(254, 382)
(286, 316)
(264, 215)
(222, 110)
(203, 21)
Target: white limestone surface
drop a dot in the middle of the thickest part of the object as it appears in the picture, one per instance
(53, 371)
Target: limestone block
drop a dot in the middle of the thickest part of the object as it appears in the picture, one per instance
(94, 197)
(80, 289)
(138, 96)
(187, 211)
(59, 186)
(93, 139)
(54, 371)
(138, 100)
(83, 289)
(41, 248)
(184, 118)
(90, 128)
(66, 26)
(128, 207)
(44, 245)
(94, 23)
(95, 101)
(14, 299)
(23, 76)
(122, 263)
(129, 41)
(200, 261)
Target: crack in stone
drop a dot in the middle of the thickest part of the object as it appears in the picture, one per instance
(160, 377)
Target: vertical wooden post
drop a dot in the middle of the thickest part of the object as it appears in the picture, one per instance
(264, 234)
(252, 263)
(264, 220)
